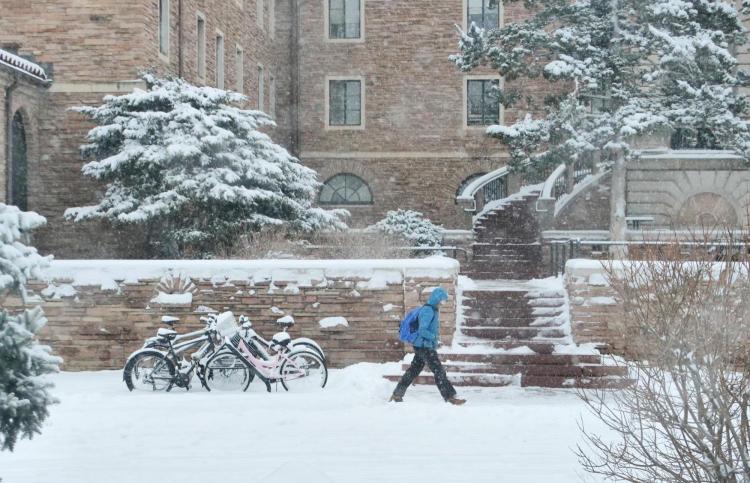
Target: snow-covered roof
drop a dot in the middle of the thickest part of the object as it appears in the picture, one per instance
(22, 65)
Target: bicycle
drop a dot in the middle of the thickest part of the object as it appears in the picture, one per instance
(292, 367)
(160, 365)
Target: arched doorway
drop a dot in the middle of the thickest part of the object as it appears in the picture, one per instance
(19, 167)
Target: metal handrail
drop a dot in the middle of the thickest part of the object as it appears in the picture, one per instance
(549, 184)
(470, 191)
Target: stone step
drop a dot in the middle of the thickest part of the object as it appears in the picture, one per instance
(532, 370)
(536, 346)
(514, 307)
(502, 333)
(478, 274)
(531, 322)
(505, 358)
(607, 382)
(462, 379)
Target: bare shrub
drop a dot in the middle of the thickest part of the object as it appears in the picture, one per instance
(684, 418)
(269, 244)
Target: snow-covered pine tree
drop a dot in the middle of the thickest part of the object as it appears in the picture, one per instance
(412, 226)
(194, 169)
(619, 68)
(24, 396)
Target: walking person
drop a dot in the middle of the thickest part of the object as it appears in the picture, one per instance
(425, 345)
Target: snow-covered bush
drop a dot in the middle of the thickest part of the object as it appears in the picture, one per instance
(24, 396)
(412, 226)
(618, 69)
(194, 169)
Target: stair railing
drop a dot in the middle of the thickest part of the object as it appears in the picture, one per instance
(492, 186)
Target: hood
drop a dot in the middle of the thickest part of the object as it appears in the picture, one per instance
(437, 296)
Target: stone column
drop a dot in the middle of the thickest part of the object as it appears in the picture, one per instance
(617, 223)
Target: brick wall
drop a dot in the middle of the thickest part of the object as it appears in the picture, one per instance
(596, 313)
(99, 312)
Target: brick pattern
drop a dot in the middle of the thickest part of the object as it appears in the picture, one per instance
(98, 329)
(596, 313)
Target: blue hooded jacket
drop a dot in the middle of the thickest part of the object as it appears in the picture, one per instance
(429, 320)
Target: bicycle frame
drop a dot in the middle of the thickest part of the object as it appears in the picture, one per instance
(267, 371)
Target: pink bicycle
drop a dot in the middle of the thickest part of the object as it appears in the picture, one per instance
(238, 359)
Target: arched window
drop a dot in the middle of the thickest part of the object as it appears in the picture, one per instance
(345, 189)
(19, 169)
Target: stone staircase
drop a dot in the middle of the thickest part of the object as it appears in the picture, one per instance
(507, 240)
(518, 332)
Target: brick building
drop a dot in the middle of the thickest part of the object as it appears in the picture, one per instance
(362, 91)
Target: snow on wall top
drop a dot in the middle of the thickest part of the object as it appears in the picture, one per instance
(20, 64)
(597, 272)
(301, 272)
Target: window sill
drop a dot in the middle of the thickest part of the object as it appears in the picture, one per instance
(361, 127)
(164, 57)
(360, 40)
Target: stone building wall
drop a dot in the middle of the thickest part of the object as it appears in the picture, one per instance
(414, 150)
(101, 311)
(98, 47)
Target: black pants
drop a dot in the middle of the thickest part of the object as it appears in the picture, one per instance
(424, 356)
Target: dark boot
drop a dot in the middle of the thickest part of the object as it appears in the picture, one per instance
(456, 401)
(395, 398)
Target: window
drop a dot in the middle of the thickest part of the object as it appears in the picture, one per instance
(344, 102)
(272, 96)
(220, 61)
(345, 19)
(272, 18)
(484, 13)
(164, 27)
(261, 88)
(201, 47)
(240, 67)
(19, 169)
(259, 11)
(482, 102)
(345, 189)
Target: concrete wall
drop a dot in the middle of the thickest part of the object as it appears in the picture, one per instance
(680, 187)
(100, 311)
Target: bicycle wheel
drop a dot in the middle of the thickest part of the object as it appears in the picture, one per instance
(303, 345)
(303, 370)
(149, 370)
(227, 372)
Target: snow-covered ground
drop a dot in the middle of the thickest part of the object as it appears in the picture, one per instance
(345, 433)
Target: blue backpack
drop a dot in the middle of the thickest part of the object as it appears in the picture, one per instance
(407, 331)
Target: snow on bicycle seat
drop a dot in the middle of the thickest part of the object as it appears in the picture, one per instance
(282, 339)
(166, 333)
(169, 320)
(286, 321)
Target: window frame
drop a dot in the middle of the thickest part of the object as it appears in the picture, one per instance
(272, 95)
(239, 68)
(200, 47)
(260, 14)
(346, 203)
(163, 21)
(272, 18)
(327, 24)
(362, 104)
(500, 14)
(501, 110)
(261, 88)
(222, 71)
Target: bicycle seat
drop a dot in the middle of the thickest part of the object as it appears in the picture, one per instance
(169, 320)
(168, 334)
(285, 321)
(282, 338)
